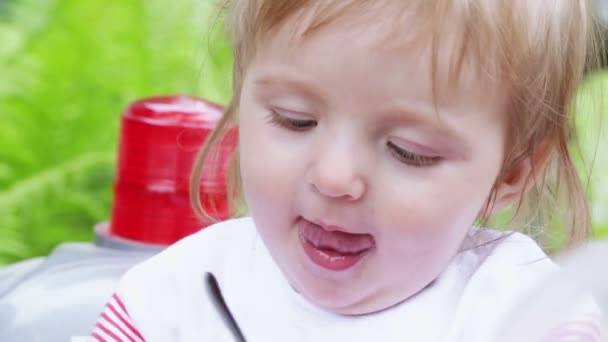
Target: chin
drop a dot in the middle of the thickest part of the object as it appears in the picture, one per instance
(336, 301)
(354, 303)
(339, 307)
(349, 308)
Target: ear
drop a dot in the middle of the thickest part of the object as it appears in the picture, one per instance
(521, 177)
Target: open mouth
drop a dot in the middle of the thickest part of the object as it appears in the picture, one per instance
(334, 250)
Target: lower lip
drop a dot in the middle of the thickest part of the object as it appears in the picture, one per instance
(332, 260)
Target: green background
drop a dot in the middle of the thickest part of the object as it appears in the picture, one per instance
(68, 68)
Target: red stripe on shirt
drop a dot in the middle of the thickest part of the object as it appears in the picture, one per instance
(98, 338)
(114, 324)
(120, 303)
(122, 323)
(583, 330)
(126, 321)
(107, 331)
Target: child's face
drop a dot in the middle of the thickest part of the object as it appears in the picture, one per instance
(361, 192)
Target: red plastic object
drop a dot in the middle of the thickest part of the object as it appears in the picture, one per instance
(160, 138)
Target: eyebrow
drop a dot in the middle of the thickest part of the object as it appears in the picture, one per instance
(290, 85)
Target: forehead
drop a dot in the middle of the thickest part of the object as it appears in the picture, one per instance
(389, 22)
(405, 27)
(347, 67)
(390, 33)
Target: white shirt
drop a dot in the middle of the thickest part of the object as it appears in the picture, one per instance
(164, 298)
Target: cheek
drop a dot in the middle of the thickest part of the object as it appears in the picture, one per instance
(425, 227)
(439, 208)
(431, 216)
(267, 174)
(257, 168)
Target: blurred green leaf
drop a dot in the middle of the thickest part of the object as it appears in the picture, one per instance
(591, 107)
(69, 68)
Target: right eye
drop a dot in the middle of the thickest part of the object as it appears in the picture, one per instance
(297, 125)
(412, 159)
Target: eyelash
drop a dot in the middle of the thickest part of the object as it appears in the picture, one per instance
(410, 158)
(295, 125)
(402, 155)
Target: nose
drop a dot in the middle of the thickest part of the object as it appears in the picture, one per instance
(335, 173)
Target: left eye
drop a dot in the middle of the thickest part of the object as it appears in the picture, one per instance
(298, 125)
(411, 158)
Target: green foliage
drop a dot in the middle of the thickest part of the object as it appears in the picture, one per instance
(592, 114)
(68, 68)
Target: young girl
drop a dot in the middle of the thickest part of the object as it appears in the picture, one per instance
(375, 138)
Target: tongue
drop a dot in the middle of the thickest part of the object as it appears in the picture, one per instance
(338, 242)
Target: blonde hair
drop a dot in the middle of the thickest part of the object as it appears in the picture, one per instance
(540, 48)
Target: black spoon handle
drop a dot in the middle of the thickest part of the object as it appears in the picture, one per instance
(217, 298)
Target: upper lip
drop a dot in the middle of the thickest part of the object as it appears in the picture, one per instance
(340, 239)
(330, 227)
